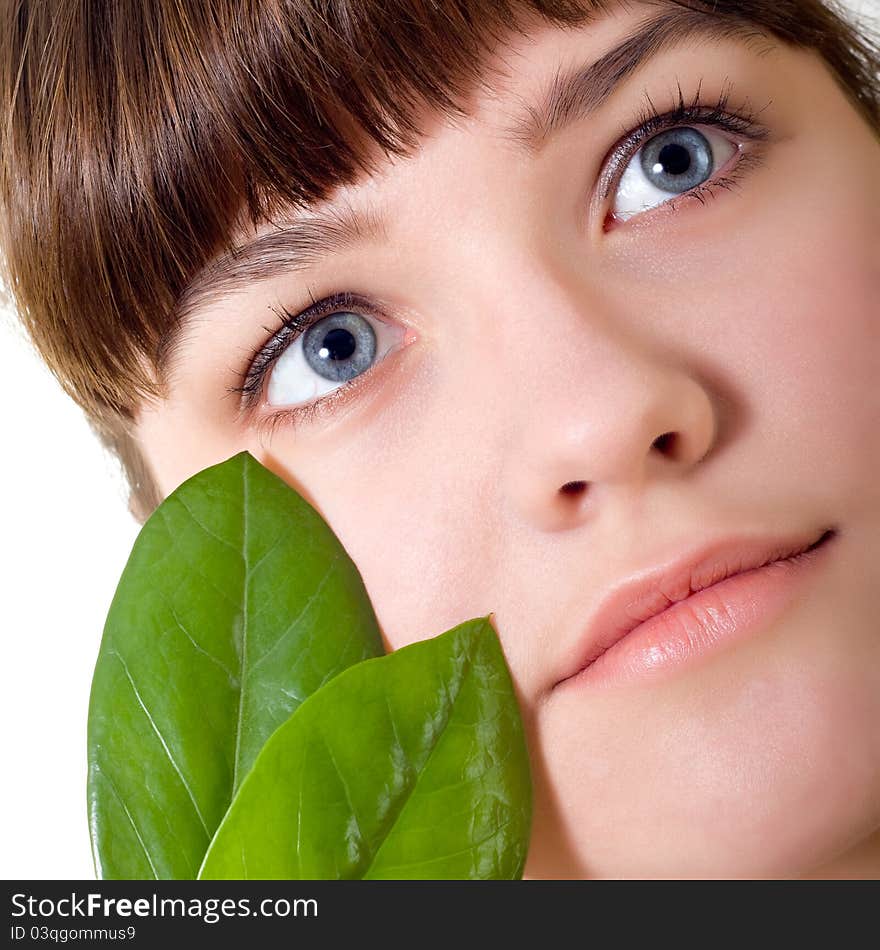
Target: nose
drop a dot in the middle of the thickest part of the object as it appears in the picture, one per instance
(600, 411)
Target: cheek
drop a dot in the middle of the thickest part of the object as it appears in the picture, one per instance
(173, 458)
(409, 520)
(807, 324)
(415, 569)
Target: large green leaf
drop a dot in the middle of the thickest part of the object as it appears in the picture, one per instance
(409, 766)
(236, 604)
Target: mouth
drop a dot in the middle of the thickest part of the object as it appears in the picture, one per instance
(669, 615)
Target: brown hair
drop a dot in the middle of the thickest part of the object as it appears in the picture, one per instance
(136, 134)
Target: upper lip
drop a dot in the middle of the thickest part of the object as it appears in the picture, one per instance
(650, 591)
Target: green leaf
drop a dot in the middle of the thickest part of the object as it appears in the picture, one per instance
(236, 604)
(409, 766)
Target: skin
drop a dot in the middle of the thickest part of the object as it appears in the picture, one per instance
(539, 348)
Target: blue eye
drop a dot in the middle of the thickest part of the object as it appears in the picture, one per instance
(331, 352)
(678, 160)
(340, 347)
(668, 165)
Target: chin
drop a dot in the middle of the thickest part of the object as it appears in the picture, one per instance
(766, 766)
(792, 839)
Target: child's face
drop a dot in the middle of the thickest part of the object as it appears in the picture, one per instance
(526, 347)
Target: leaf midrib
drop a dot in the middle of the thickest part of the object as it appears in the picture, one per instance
(244, 630)
(438, 738)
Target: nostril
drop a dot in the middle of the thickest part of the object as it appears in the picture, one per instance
(665, 443)
(573, 488)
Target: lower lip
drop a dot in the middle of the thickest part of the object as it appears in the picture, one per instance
(706, 622)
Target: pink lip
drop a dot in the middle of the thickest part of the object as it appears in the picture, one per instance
(677, 612)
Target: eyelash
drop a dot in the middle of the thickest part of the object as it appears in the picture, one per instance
(293, 325)
(648, 123)
(651, 122)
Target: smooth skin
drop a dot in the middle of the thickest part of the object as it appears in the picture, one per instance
(536, 346)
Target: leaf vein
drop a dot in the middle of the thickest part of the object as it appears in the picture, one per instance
(244, 629)
(451, 854)
(198, 647)
(282, 637)
(131, 821)
(208, 531)
(161, 739)
(435, 742)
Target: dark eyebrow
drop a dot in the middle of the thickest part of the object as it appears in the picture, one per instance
(574, 94)
(292, 246)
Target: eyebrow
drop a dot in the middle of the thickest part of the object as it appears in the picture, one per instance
(292, 246)
(571, 96)
(576, 93)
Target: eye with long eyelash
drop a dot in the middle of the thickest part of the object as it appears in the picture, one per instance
(292, 326)
(650, 122)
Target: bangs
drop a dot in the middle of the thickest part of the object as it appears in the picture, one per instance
(327, 76)
(141, 133)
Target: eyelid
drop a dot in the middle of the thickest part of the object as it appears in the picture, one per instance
(293, 325)
(291, 417)
(650, 122)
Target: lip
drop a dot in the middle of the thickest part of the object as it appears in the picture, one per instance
(666, 617)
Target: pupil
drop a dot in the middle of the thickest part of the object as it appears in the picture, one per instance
(675, 159)
(338, 343)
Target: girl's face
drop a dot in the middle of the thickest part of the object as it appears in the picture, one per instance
(523, 317)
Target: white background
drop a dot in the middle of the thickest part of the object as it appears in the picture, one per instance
(66, 537)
